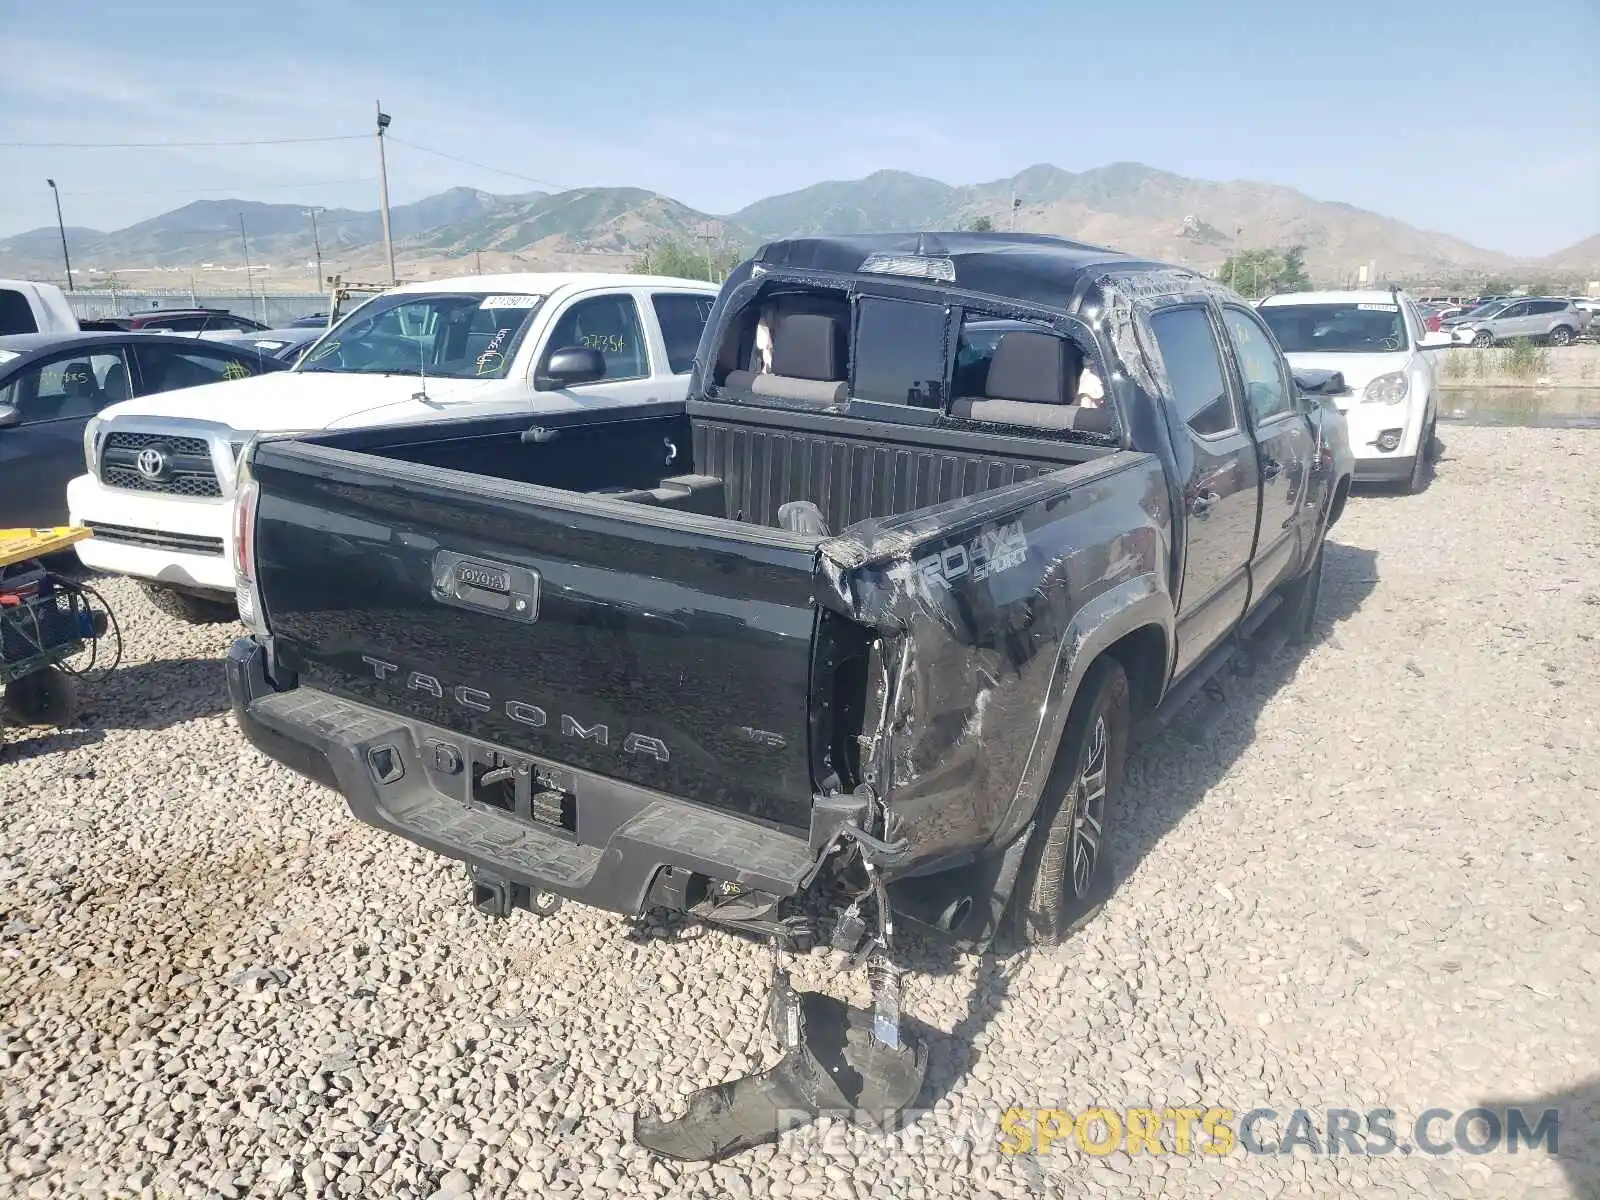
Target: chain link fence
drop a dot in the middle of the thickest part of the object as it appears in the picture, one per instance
(270, 308)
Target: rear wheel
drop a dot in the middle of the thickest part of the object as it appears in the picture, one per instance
(192, 610)
(1066, 871)
(47, 697)
(1561, 336)
(1483, 338)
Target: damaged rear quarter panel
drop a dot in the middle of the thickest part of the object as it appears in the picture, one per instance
(989, 609)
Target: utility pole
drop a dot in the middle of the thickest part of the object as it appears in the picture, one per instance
(708, 235)
(62, 226)
(1016, 206)
(249, 289)
(477, 262)
(316, 242)
(383, 192)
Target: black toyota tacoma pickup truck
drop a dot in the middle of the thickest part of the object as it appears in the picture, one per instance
(859, 632)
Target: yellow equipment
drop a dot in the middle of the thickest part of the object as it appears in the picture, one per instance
(19, 545)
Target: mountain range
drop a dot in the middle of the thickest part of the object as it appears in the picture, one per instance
(1127, 205)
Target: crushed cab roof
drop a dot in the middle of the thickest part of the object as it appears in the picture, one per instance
(1029, 267)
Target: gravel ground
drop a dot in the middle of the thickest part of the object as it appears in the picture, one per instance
(1372, 884)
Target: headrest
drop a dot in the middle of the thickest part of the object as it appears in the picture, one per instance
(808, 346)
(1038, 368)
(77, 379)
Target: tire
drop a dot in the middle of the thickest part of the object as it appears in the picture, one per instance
(1561, 336)
(1418, 479)
(1483, 339)
(1065, 873)
(1300, 597)
(192, 610)
(47, 697)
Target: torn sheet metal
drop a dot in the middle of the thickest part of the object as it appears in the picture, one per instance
(976, 603)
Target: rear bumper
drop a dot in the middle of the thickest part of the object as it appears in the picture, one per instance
(413, 780)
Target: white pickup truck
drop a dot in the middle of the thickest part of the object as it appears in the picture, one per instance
(160, 469)
(29, 307)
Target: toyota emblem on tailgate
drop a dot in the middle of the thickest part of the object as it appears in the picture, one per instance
(152, 462)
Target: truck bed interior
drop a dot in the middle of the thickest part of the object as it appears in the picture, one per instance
(740, 462)
(778, 443)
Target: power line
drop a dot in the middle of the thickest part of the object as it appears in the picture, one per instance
(157, 145)
(243, 187)
(560, 187)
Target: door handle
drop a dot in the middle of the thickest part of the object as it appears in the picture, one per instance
(1200, 506)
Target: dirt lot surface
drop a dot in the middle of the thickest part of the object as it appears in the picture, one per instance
(1374, 884)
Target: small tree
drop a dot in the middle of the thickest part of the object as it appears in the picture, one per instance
(1293, 277)
(1253, 273)
(681, 259)
(980, 225)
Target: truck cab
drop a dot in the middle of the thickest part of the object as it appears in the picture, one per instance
(161, 469)
(28, 307)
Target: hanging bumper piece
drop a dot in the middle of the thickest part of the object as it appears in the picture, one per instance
(838, 1061)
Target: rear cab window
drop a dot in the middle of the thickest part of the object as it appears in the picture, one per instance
(899, 353)
(16, 314)
(908, 354)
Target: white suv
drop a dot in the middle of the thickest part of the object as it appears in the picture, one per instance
(159, 486)
(1381, 345)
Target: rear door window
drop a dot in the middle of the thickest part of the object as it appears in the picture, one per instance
(682, 318)
(899, 353)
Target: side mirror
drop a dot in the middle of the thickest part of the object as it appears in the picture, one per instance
(9, 416)
(1320, 383)
(569, 366)
(1435, 340)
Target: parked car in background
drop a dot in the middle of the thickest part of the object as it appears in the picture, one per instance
(310, 321)
(53, 385)
(198, 321)
(1432, 316)
(287, 343)
(28, 307)
(521, 344)
(1533, 318)
(1379, 343)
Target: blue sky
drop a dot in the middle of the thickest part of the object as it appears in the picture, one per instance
(1485, 128)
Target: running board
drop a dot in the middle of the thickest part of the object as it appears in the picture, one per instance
(1258, 635)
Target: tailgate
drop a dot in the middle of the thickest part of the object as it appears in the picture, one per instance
(660, 647)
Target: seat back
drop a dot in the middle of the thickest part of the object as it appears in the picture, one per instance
(1031, 381)
(810, 359)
